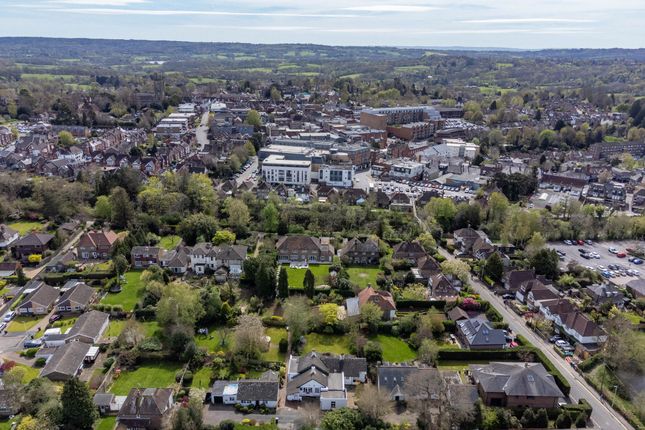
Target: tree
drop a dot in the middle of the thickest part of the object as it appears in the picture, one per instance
(371, 316)
(271, 218)
(238, 215)
(189, 416)
(428, 242)
(120, 265)
(122, 210)
(467, 216)
(342, 419)
(494, 267)
(374, 403)
(32, 423)
(428, 352)
(581, 421)
(309, 284)
(253, 118)
(563, 421)
(427, 385)
(283, 283)
(443, 210)
(103, 208)
(297, 315)
(329, 312)
(457, 268)
(373, 352)
(545, 262)
(180, 304)
(78, 410)
(535, 244)
(541, 419)
(224, 236)
(528, 418)
(197, 226)
(265, 279)
(249, 336)
(66, 139)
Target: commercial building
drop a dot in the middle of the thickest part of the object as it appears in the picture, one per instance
(278, 170)
(336, 175)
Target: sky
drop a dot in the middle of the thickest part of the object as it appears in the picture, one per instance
(523, 24)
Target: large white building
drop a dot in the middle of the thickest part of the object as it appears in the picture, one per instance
(336, 175)
(277, 170)
(406, 169)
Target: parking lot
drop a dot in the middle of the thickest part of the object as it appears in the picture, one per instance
(605, 259)
(417, 188)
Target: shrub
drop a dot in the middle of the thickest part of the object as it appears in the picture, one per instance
(563, 421)
(35, 258)
(581, 421)
(283, 345)
(373, 352)
(40, 362)
(188, 378)
(29, 353)
(107, 364)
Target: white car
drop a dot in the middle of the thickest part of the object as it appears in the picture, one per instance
(613, 250)
(9, 316)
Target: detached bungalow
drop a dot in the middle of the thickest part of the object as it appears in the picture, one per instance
(33, 243)
(66, 362)
(39, 302)
(147, 408)
(76, 299)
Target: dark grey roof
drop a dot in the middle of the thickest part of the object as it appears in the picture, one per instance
(313, 359)
(351, 366)
(146, 402)
(79, 293)
(89, 324)
(44, 295)
(103, 399)
(257, 390)
(303, 378)
(66, 360)
(217, 390)
(481, 333)
(393, 378)
(515, 379)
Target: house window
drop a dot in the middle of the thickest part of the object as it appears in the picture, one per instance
(333, 405)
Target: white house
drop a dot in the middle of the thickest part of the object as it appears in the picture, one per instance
(206, 256)
(277, 170)
(248, 392)
(336, 175)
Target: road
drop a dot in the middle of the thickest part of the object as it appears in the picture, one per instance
(201, 134)
(603, 415)
(246, 175)
(33, 273)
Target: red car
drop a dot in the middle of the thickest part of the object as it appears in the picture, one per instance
(581, 242)
(621, 255)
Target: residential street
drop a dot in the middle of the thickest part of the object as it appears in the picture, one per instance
(603, 415)
(201, 134)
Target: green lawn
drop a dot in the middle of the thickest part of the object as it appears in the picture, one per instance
(633, 317)
(362, 276)
(395, 350)
(5, 423)
(458, 365)
(106, 423)
(30, 373)
(147, 375)
(20, 324)
(132, 290)
(274, 354)
(169, 242)
(25, 227)
(65, 323)
(115, 327)
(327, 343)
(297, 276)
(202, 378)
(151, 327)
(212, 342)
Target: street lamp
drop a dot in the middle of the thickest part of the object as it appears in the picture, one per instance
(615, 394)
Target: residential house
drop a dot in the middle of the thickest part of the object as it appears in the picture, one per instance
(9, 268)
(475, 333)
(143, 257)
(526, 287)
(457, 314)
(304, 249)
(383, 299)
(554, 310)
(582, 329)
(514, 279)
(426, 268)
(33, 243)
(393, 379)
(7, 236)
(444, 286)
(96, 245)
(205, 256)
(39, 302)
(146, 408)
(88, 328)
(516, 385)
(540, 293)
(360, 252)
(248, 392)
(66, 362)
(636, 287)
(603, 293)
(324, 377)
(410, 251)
(176, 260)
(76, 299)
(470, 242)
(9, 402)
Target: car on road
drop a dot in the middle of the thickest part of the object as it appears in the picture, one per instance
(613, 250)
(54, 318)
(9, 316)
(32, 343)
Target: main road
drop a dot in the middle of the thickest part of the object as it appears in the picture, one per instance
(603, 416)
(201, 134)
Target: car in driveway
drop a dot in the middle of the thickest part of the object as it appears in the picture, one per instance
(32, 343)
(555, 338)
(54, 318)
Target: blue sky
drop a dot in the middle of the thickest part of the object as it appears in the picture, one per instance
(473, 23)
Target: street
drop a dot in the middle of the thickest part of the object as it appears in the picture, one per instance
(201, 134)
(246, 175)
(603, 415)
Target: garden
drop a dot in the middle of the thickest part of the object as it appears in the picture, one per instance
(158, 375)
(363, 276)
(297, 276)
(132, 290)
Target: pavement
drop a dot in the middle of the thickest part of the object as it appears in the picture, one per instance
(603, 416)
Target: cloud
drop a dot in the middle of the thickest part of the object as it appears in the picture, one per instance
(250, 27)
(391, 8)
(526, 21)
(159, 12)
(99, 2)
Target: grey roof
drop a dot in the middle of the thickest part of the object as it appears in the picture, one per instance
(89, 324)
(481, 333)
(303, 378)
(44, 295)
(103, 399)
(393, 378)
(66, 360)
(257, 390)
(146, 402)
(313, 359)
(34, 239)
(515, 379)
(79, 293)
(353, 307)
(351, 366)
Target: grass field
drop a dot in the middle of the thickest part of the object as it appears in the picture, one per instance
(362, 276)
(132, 290)
(5, 423)
(158, 375)
(212, 342)
(25, 227)
(20, 324)
(395, 350)
(105, 423)
(326, 343)
(169, 242)
(46, 76)
(151, 327)
(115, 327)
(274, 354)
(297, 276)
(202, 378)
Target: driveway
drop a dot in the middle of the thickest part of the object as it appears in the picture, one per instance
(215, 414)
(603, 415)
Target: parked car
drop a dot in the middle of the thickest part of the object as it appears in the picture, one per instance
(637, 261)
(581, 242)
(555, 338)
(621, 255)
(561, 343)
(613, 250)
(582, 250)
(568, 242)
(589, 242)
(32, 343)
(9, 316)
(54, 318)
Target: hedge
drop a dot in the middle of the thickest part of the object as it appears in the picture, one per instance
(421, 304)
(274, 321)
(590, 363)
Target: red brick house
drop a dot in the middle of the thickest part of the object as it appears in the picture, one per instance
(96, 245)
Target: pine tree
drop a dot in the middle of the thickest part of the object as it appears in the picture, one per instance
(309, 283)
(283, 284)
(78, 410)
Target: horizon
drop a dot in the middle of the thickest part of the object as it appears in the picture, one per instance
(475, 24)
